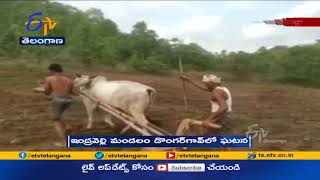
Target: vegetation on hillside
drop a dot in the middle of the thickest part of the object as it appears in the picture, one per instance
(93, 40)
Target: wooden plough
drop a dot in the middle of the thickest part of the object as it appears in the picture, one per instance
(149, 129)
(146, 130)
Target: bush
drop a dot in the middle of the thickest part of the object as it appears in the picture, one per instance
(150, 65)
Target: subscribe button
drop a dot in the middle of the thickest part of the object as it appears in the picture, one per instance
(182, 167)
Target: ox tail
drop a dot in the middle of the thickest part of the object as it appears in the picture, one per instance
(152, 95)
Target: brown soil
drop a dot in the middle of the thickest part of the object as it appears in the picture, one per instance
(290, 113)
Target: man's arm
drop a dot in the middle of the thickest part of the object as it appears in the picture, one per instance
(74, 91)
(47, 87)
(198, 85)
(218, 95)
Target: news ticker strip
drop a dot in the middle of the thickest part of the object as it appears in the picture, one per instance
(159, 141)
(296, 22)
(174, 155)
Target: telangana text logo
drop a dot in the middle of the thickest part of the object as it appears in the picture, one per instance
(47, 24)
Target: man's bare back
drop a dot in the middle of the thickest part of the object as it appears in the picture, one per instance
(59, 85)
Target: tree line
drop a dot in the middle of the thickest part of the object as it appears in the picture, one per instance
(93, 40)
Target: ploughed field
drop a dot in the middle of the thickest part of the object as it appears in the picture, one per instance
(289, 113)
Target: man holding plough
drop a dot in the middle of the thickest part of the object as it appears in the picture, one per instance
(221, 106)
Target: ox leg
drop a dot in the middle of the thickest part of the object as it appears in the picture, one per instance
(108, 120)
(90, 107)
(140, 119)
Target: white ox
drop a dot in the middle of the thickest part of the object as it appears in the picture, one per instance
(132, 97)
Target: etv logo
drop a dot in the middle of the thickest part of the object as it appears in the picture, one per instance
(47, 24)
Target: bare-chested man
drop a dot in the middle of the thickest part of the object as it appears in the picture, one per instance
(221, 100)
(60, 88)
